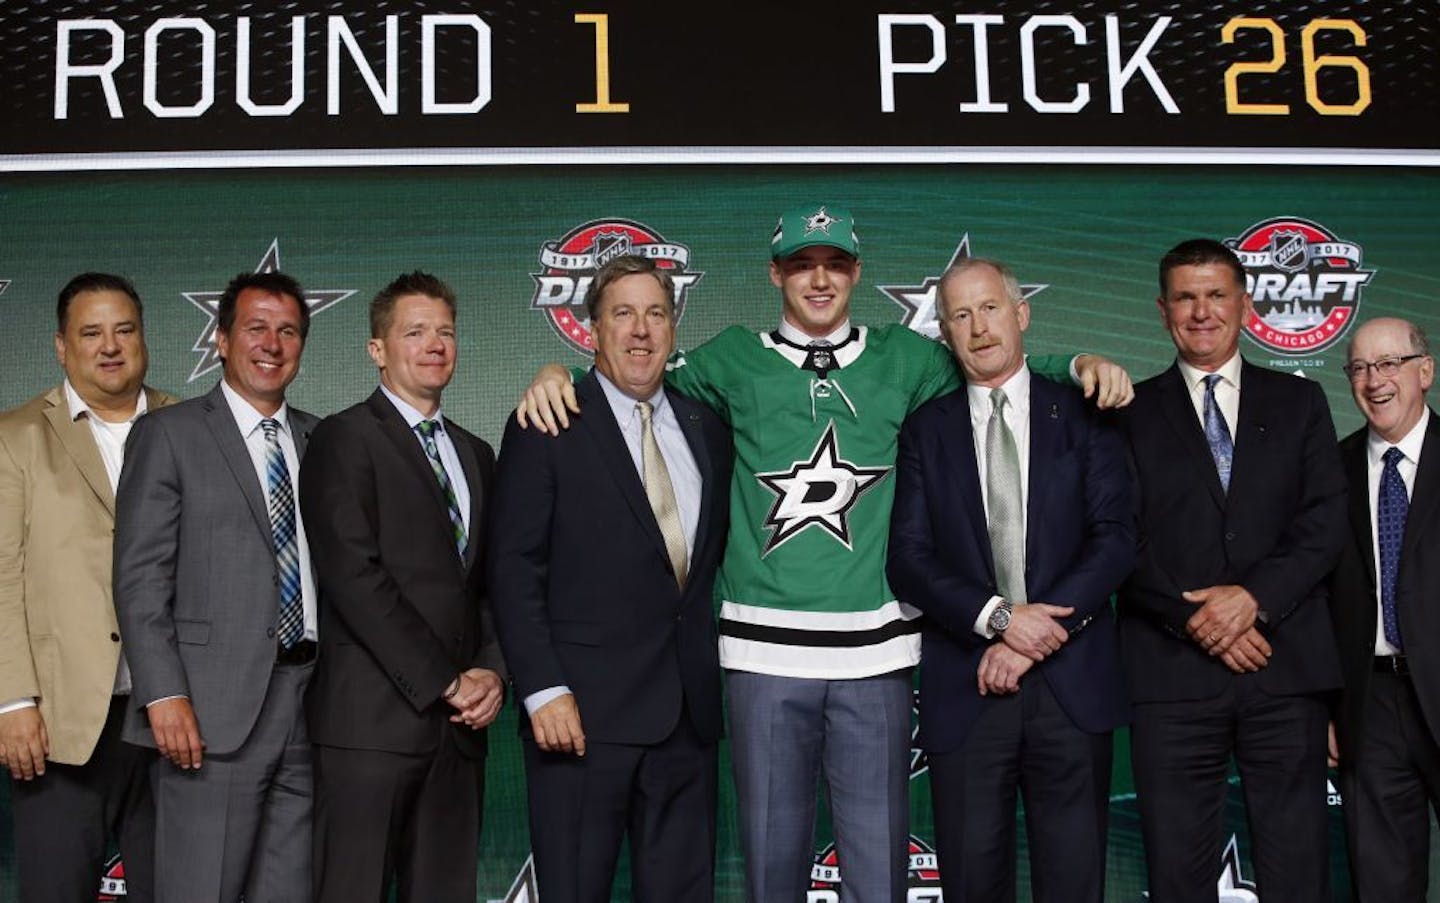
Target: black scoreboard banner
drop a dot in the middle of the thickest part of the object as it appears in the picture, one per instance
(315, 82)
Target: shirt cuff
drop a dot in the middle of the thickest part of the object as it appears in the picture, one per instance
(165, 699)
(16, 705)
(535, 701)
(982, 623)
(1074, 370)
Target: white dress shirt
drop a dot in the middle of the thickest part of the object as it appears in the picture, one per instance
(1017, 417)
(1375, 447)
(448, 456)
(679, 461)
(1227, 390)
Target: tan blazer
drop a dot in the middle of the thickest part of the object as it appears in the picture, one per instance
(59, 640)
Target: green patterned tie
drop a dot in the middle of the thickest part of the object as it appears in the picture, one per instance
(427, 430)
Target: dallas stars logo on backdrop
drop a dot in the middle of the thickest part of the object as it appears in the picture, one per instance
(818, 492)
(209, 304)
(919, 300)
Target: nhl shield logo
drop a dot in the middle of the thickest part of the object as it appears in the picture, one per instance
(1305, 282)
(569, 265)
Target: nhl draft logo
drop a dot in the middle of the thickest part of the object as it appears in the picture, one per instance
(570, 265)
(922, 877)
(112, 881)
(1305, 282)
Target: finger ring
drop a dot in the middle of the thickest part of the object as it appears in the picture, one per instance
(1214, 637)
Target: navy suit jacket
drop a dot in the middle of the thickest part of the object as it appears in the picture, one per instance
(1277, 532)
(584, 592)
(1079, 545)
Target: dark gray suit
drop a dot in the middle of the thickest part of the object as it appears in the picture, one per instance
(196, 590)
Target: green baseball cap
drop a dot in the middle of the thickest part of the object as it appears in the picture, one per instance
(817, 224)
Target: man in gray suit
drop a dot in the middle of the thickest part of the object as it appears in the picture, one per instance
(217, 608)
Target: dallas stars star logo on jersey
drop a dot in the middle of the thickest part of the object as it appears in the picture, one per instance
(818, 492)
(819, 221)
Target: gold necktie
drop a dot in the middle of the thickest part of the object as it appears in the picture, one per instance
(661, 494)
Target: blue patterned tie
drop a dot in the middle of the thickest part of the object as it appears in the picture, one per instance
(427, 430)
(1217, 434)
(290, 627)
(1390, 513)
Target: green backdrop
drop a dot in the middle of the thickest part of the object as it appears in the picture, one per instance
(1091, 235)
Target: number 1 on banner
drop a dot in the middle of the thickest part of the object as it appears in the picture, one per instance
(602, 103)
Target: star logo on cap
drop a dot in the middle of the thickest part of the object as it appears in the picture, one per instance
(919, 301)
(817, 492)
(209, 304)
(819, 221)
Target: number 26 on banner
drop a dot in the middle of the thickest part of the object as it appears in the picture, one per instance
(1311, 65)
(603, 103)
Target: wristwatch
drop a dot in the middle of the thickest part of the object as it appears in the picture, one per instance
(1000, 616)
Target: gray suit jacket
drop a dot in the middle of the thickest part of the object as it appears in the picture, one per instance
(196, 585)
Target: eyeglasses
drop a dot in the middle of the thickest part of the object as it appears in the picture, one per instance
(1386, 367)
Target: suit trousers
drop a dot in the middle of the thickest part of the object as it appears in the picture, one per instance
(411, 821)
(1023, 742)
(1181, 753)
(240, 823)
(64, 819)
(1388, 796)
(663, 796)
(788, 732)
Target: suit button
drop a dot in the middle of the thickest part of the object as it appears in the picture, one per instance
(275, 579)
(115, 637)
(1229, 535)
(270, 632)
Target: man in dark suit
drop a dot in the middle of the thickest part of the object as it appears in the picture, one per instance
(409, 672)
(64, 684)
(1012, 526)
(216, 604)
(1381, 599)
(1224, 630)
(604, 544)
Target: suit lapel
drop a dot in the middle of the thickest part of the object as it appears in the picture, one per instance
(1357, 472)
(470, 465)
(691, 427)
(605, 432)
(236, 456)
(958, 447)
(1424, 496)
(1046, 432)
(1180, 413)
(399, 434)
(79, 443)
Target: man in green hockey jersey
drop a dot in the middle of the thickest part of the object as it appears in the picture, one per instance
(818, 652)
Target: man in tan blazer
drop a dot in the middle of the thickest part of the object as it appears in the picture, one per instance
(64, 681)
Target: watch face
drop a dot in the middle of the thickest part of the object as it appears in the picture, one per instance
(999, 619)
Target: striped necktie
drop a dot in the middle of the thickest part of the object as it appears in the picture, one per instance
(290, 626)
(427, 430)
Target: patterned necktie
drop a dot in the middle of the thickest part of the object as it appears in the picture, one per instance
(1390, 511)
(661, 493)
(290, 626)
(427, 430)
(1217, 434)
(1002, 490)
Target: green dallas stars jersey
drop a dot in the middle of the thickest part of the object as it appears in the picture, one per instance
(802, 586)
